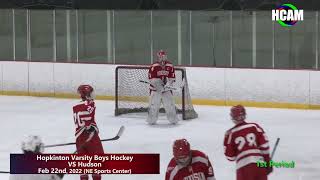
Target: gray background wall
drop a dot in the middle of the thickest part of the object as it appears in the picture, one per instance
(191, 38)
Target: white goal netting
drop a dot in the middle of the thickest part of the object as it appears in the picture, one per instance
(132, 96)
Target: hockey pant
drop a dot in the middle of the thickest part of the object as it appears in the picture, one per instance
(168, 103)
(93, 146)
(252, 172)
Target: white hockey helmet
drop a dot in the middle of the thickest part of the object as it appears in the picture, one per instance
(32, 144)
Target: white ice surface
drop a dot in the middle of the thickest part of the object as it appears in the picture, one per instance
(52, 120)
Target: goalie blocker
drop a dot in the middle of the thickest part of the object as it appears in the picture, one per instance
(132, 96)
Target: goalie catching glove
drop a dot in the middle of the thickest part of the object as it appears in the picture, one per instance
(169, 85)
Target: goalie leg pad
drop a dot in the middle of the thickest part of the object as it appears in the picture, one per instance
(169, 105)
(154, 105)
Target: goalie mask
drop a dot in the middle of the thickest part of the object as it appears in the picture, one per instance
(238, 113)
(32, 144)
(162, 57)
(86, 92)
(182, 152)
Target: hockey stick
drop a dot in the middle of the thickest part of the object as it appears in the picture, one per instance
(275, 147)
(146, 82)
(167, 88)
(181, 85)
(120, 132)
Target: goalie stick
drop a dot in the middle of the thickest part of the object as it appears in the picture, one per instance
(168, 88)
(120, 132)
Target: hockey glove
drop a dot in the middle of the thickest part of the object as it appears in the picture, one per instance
(269, 170)
(169, 85)
(167, 88)
(90, 128)
(57, 176)
(60, 175)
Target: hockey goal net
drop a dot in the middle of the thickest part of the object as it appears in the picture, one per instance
(132, 96)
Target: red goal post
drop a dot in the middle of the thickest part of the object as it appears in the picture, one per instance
(132, 96)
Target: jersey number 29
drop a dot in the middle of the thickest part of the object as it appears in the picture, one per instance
(249, 138)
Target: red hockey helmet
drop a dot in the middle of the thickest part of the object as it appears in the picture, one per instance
(162, 55)
(181, 151)
(85, 91)
(238, 113)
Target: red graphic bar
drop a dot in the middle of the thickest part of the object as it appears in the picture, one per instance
(82, 163)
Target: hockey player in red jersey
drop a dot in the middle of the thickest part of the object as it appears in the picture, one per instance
(161, 76)
(188, 164)
(87, 138)
(247, 143)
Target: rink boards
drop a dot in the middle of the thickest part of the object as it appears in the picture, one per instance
(208, 86)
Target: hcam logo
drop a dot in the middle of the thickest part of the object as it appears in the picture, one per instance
(287, 15)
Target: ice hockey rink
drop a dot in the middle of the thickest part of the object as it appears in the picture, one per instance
(52, 119)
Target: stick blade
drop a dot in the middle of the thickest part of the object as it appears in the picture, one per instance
(4, 172)
(120, 132)
(183, 83)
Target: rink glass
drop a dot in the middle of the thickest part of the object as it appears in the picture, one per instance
(246, 39)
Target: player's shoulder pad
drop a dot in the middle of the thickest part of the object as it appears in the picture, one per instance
(155, 64)
(168, 63)
(197, 153)
(172, 164)
(79, 104)
(228, 132)
(91, 102)
(198, 156)
(259, 128)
